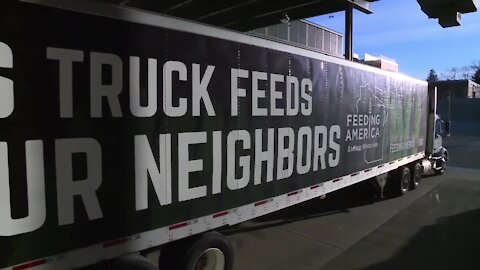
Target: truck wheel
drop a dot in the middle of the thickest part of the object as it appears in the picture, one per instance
(441, 164)
(416, 175)
(399, 183)
(209, 251)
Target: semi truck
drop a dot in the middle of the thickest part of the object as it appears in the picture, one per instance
(123, 130)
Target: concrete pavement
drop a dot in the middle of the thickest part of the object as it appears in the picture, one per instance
(436, 226)
(309, 235)
(440, 230)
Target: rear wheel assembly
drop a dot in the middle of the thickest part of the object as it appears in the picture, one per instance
(417, 172)
(399, 182)
(209, 251)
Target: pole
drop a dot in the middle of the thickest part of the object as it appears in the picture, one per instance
(349, 31)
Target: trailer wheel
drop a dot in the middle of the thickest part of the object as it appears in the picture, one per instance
(400, 182)
(209, 251)
(416, 175)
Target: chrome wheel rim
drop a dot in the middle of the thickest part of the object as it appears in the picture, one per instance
(418, 176)
(210, 259)
(444, 163)
(405, 183)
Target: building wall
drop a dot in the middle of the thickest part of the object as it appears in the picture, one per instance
(383, 64)
(305, 34)
(457, 89)
(464, 114)
(473, 89)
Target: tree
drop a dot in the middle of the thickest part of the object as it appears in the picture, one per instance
(475, 65)
(476, 75)
(466, 72)
(451, 75)
(432, 76)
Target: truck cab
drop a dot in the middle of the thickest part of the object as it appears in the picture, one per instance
(439, 157)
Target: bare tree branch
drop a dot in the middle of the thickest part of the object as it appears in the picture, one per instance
(451, 74)
(466, 72)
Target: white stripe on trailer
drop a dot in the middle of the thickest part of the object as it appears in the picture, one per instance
(117, 247)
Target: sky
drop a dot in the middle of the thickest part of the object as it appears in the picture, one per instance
(400, 30)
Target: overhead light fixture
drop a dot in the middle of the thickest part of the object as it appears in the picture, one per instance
(448, 12)
(285, 18)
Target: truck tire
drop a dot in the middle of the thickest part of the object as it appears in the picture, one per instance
(441, 164)
(399, 183)
(417, 172)
(209, 251)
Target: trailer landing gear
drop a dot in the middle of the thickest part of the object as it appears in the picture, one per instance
(379, 182)
(209, 251)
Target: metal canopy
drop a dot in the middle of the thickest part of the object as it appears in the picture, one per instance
(243, 15)
(448, 12)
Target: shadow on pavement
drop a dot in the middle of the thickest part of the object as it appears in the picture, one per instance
(463, 152)
(451, 243)
(337, 202)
